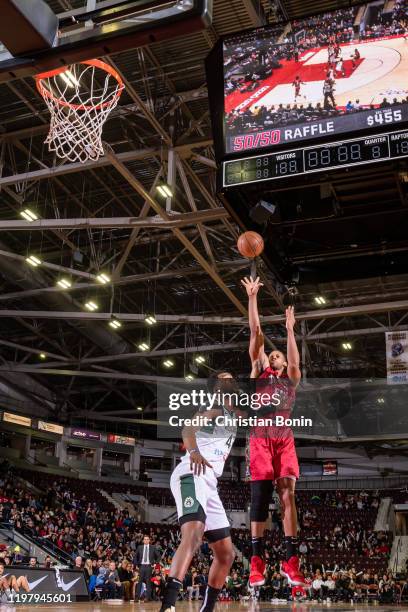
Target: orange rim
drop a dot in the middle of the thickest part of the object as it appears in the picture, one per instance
(46, 93)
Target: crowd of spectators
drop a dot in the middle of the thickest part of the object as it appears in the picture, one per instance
(388, 23)
(344, 559)
(319, 30)
(265, 118)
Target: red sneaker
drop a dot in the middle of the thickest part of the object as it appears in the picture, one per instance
(290, 569)
(256, 577)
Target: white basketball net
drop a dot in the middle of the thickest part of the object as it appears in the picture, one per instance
(79, 100)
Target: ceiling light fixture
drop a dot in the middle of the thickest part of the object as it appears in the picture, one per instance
(28, 215)
(143, 346)
(115, 324)
(347, 346)
(91, 305)
(200, 359)
(150, 319)
(168, 363)
(164, 190)
(69, 78)
(64, 283)
(103, 278)
(42, 356)
(33, 261)
(189, 377)
(319, 299)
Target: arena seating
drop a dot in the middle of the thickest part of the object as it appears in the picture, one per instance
(336, 527)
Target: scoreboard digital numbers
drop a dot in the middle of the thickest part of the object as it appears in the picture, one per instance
(315, 159)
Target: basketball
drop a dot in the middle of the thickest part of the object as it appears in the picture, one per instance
(250, 244)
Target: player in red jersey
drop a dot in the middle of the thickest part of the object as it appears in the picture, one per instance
(272, 452)
(296, 84)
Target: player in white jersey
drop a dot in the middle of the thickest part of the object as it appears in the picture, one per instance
(199, 508)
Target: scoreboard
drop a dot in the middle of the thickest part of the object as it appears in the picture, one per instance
(305, 160)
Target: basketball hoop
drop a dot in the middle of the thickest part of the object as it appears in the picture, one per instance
(79, 98)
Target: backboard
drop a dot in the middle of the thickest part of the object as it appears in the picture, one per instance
(37, 38)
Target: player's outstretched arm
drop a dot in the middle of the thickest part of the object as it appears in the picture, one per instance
(256, 342)
(292, 353)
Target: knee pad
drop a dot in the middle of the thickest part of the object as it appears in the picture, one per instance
(261, 495)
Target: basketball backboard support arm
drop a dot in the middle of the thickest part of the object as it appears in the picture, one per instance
(149, 22)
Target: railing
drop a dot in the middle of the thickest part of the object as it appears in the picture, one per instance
(49, 547)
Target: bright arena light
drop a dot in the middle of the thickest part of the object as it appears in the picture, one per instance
(150, 319)
(115, 324)
(33, 261)
(69, 78)
(103, 278)
(28, 215)
(64, 283)
(91, 305)
(143, 346)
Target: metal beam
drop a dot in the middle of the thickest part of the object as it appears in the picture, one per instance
(176, 220)
(63, 169)
(135, 232)
(347, 311)
(30, 349)
(138, 187)
(207, 348)
(90, 374)
(125, 280)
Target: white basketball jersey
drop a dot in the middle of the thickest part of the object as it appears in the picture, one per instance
(215, 442)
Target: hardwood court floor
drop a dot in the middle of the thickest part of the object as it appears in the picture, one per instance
(184, 606)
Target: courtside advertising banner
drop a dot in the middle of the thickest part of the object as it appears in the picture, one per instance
(397, 356)
(49, 585)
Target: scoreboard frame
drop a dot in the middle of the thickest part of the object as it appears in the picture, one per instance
(299, 154)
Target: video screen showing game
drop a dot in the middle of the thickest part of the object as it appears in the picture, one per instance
(322, 76)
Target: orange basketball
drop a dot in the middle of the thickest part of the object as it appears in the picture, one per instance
(250, 244)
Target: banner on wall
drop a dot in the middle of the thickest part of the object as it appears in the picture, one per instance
(17, 419)
(115, 439)
(329, 468)
(85, 434)
(396, 344)
(51, 427)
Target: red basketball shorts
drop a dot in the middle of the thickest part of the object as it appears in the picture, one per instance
(272, 457)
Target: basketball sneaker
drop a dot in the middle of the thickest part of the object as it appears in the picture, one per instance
(290, 569)
(256, 575)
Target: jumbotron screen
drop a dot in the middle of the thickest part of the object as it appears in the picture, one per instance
(324, 76)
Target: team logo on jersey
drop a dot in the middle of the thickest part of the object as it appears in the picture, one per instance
(188, 502)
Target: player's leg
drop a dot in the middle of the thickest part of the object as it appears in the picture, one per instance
(218, 535)
(189, 493)
(191, 538)
(261, 472)
(286, 468)
(224, 555)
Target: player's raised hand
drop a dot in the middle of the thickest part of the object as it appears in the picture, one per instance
(252, 286)
(290, 318)
(198, 463)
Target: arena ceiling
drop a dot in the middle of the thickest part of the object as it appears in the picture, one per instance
(176, 259)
